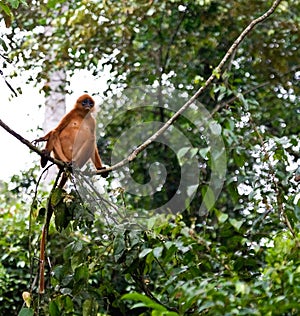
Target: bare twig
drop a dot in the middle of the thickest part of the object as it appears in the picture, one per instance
(7, 83)
(261, 85)
(172, 40)
(235, 97)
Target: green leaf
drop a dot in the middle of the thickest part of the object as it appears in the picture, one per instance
(217, 73)
(77, 246)
(61, 216)
(151, 222)
(204, 151)
(3, 44)
(5, 8)
(56, 196)
(297, 212)
(81, 273)
(53, 309)
(26, 312)
(157, 251)
(52, 3)
(194, 152)
(208, 198)
(241, 288)
(145, 252)
(68, 304)
(14, 3)
(236, 224)
(222, 217)
(239, 158)
(89, 307)
(198, 79)
(145, 300)
(119, 246)
(182, 151)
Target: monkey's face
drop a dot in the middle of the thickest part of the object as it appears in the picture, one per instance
(87, 103)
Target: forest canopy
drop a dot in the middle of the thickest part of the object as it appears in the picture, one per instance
(203, 219)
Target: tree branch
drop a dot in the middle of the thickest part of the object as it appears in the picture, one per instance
(261, 85)
(172, 40)
(235, 97)
(7, 83)
(30, 145)
(216, 72)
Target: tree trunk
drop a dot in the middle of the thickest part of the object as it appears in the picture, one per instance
(56, 101)
(55, 108)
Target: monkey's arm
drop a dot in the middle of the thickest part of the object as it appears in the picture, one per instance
(98, 163)
(61, 125)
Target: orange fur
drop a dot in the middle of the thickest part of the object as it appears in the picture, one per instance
(74, 140)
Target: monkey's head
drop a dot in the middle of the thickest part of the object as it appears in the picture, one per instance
(86, 102)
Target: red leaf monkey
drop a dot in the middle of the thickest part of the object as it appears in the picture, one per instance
(74, 140)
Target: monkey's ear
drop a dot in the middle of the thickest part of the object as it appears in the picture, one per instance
(104, 174)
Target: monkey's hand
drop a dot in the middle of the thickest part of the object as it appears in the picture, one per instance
(104, 174)
(38, 140)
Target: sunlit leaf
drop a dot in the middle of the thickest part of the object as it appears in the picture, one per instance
(235, 223)
(222, 217)
(145, 252)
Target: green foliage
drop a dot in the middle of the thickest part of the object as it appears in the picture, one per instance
(26, 312)
(15, 264)
(181, 270)
(238, 258)
(157, 309)
(6, 9)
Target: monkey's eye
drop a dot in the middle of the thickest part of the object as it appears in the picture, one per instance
(87, 102)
